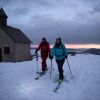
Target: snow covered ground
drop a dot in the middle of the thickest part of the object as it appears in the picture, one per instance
(17, 80)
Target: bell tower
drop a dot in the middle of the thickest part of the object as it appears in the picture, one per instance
(3, 17)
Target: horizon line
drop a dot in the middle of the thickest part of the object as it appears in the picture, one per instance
(74, 46)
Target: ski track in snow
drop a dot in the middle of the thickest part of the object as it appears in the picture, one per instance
(17, 80)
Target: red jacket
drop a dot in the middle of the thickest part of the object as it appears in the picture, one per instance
(45, 49)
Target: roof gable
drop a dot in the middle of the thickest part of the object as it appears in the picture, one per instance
(16, 34)
(2, 13)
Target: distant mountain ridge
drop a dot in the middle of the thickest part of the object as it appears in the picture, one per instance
(92, 51)
(82, 51)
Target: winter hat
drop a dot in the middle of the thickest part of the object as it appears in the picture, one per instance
(43, 38)
(59, 38)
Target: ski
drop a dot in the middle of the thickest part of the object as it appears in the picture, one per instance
(38, 77)
(65, 80)
(40, 74)
(57, 87)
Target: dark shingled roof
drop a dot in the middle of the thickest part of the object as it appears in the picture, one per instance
(16, 34)
(2, 13)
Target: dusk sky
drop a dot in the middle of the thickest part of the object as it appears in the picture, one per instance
(76, 21)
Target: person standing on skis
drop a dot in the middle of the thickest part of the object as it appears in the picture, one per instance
(44, 47)
(60, 53)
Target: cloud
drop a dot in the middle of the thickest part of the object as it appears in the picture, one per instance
(76, 21)
(69, 31)
(20, 11)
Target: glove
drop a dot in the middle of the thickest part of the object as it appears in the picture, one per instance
(50, 57)
(66, 56)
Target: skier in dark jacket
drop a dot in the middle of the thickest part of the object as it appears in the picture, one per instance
(44, 47)
(60, 53)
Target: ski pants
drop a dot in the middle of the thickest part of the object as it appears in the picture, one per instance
(44, 65)
(60, 68)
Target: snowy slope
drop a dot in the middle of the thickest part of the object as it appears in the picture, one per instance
(17, 80)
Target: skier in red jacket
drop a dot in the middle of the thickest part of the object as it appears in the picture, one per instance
(44, 47)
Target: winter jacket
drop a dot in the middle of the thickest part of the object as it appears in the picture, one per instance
(59, 52)
(45, 48)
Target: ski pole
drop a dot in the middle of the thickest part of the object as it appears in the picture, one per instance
(69, 68)
(51, 69)
(37, 61)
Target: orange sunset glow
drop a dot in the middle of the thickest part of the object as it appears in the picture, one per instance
(84, 46)
(77, 46)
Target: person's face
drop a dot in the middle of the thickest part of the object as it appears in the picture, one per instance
(43, 40)
(57, 41)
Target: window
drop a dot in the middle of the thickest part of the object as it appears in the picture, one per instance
(6, 50)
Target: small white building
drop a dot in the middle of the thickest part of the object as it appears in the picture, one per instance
(14, 45)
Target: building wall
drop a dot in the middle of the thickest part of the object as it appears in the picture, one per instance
(6, 41)
(22, 52)
(18, 51)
